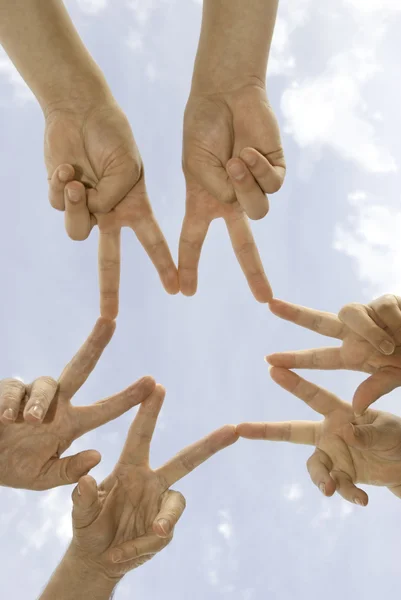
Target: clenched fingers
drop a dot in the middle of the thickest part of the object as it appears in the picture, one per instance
(357, 318)
(12, 392)
(319, 466)
(172, 507)
(61, 176)
(142, 546)
(41, 394)
(248, 190)
(77, 218)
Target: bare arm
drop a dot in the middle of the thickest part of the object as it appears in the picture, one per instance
(74, 579)
(42, 42)
(234, 43)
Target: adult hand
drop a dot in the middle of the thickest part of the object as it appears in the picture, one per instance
(131, 515)
(232, 157)
(30, 449)
(349, 449)
(370, 342)
(96, 175)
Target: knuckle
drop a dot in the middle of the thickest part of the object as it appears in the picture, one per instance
(385, 302)
(49, 381)
(349, 310)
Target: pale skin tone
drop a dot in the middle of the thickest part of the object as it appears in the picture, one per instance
(127, 519)
(348, 449)
(370, 341)
(232, 152)
(31, 446)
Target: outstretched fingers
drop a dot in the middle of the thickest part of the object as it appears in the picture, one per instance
(97, 414)
(109, 266)
(315, 358)
(319, 399)
(191, 457)
(193, 234)
(137, 445)
(172, 506)
(325, 323)
(150, 235)
(247, 254)
(296, 432)
(80, 367)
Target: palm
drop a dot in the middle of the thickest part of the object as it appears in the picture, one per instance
(349, 449)
(30, 454)
(122, 514)
(355, 352)
(216, 129)
(108, 173)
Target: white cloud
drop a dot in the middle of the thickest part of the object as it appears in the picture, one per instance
(293, 492)
(371, 237)
(92, 7)
(225, 527)
(372, 6)
(22, 92)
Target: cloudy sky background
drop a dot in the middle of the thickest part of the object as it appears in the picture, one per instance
(255, 527)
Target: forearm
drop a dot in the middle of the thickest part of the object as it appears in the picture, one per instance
(234, 43)
(42, 42)
(72, 580)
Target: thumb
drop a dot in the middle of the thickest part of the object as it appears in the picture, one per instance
(64, 471)
(86, 504)
(374, 387)
(112, 189)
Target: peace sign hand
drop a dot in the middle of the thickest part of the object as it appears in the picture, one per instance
(369, 334)
(131, 515)
(30, 450)
(349, 449)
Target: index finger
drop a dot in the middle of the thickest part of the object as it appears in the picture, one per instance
(192, 456)
(109, 264)
(325, 323)
(81, 366)
(248, 256)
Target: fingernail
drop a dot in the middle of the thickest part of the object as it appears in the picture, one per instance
(73, 195)
(322, 488)
(36, 411)
(164, 526)
(117, 556)
(386, 347)
(249, 157)
(358, 502)
(236, 171)
(78, 490)
(63, 175)
(9, 414)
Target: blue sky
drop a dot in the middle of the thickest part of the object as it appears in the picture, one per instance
(255, 527)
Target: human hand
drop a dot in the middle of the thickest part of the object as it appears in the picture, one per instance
(369, 333)
(30, 450)
(90, 151)
(349, 449)
(131, 515)
(218, 129)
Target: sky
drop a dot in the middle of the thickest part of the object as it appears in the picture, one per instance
(255, 527)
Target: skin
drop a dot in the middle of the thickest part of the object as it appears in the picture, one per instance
(30, 447)
(108, 177)
(122, 523)
(349, 449)
(370, 338)
(232, 152)
(89, 145)
(215, 127)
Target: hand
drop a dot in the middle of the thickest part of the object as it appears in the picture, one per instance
(131, 516)
(91, 152)
(30, 451)
(368, 335)
(349, 449)
(218, 128)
